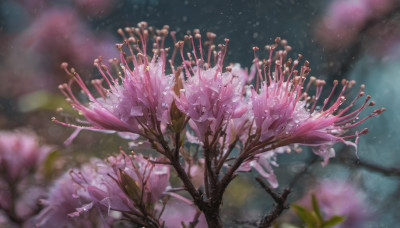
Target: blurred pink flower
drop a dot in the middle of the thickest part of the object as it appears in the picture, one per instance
(339, 198)
(177, 212)
(344, 20)
(55, 36)
(20, 155)
(95, 7)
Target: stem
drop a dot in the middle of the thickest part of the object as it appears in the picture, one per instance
(213, 218)
(280, 206)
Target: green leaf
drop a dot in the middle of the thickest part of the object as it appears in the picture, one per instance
(286, 225)
(334, 220)
(48, 164)
(316, 207)
(308, 217)
(130, 187)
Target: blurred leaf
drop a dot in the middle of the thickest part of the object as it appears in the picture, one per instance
(316, 207)
(286, 225)
(130, 187)
(334, 220)
(308, 217)
(42, 100)
(48, 164)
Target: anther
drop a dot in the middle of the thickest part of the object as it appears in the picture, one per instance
(64, 65)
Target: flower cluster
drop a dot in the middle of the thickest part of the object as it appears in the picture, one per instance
(131, 185)
(234, 126)
(21, 160)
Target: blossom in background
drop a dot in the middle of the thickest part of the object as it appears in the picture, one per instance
(21, 185)
(345, 19)
(53, 29)
(177, 212)
(20, 154)
(339, 198)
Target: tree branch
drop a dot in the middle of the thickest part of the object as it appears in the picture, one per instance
(280, 205)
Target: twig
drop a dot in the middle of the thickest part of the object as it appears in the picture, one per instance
(347, 159)
(297, 177)
(377, 168)
(279, 207)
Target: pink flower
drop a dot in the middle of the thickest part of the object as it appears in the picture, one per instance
(105, 183)
(244, 75)
(210, 97)
(20, 154)
(344, 20)
(285, 114)
(263, 163)
(139, 103)
(177, 212)
(99, 187)
(61, 201)
(338, 198)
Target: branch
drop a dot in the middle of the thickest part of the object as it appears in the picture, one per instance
(377, 168)
(346, 158)
(280, 206)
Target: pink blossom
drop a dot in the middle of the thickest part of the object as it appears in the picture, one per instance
(263, 163)
(20, 154)
(104, 183)
(140, 102)
(177, 212)
(95, 7)
(62, 200)
(210, 97)
(99, 187)
(285, 114)
(344, 20)
(54, 36)
(244, 75)
(339, 198)
(61, 29)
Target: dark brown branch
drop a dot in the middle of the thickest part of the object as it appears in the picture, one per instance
(346, 158)
(377, 168)
(280, 205)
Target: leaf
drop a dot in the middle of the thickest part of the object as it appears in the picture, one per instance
(130, 187)
(308, 217)
(334, 220)
(48, 164)
(286, 225)
(178, 118)
(316, 207)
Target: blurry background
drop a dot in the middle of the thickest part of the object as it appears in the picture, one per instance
(353, 39)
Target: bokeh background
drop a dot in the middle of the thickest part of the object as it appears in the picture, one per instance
(354, 39)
